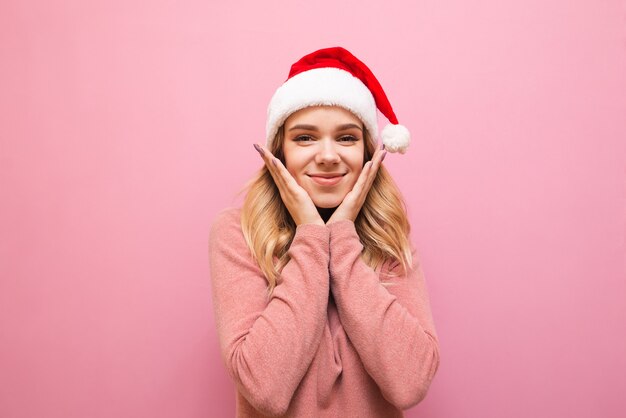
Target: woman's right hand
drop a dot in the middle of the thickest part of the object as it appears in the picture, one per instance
(295, 198)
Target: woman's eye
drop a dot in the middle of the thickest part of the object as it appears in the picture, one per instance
(348, 138)
(303, 138)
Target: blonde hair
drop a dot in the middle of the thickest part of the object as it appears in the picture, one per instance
(382, 223)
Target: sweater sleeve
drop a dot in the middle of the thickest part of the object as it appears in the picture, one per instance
(391, 327)
(266, 344)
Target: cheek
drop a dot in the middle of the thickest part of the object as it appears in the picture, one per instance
(293, 170)
(355, 177)
(295, 163)
(296, 176)
(357, 165)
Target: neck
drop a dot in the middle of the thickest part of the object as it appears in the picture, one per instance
(326, 213)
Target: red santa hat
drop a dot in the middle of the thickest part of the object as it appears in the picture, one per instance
(333, 76)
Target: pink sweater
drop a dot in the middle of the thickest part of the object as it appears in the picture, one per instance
(332, 341)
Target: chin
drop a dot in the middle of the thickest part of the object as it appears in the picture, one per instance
(326, 206)
(327, 203)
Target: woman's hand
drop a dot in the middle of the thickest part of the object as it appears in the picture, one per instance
(352, 203)
(295, 198)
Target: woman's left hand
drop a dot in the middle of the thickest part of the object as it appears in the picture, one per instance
(352, 203)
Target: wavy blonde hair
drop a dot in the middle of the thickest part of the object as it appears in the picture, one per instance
(382, 223)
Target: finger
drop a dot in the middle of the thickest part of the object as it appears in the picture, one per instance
(281, 174)
(269, 158)
(371, 173)
(377, 160)
(265, 154)
(287, 185)
(362, 180)
(285, 174)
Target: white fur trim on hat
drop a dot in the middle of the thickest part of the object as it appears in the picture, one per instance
(396, 138)
(321, 86)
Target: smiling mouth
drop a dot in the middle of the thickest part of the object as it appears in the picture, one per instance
(326, 179)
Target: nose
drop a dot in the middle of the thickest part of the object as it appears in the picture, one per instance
(327, 152)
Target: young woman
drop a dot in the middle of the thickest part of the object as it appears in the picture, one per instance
(321, 306)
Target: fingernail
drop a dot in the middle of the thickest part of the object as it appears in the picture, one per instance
(383, 157)
(275, 161)
(259, 149)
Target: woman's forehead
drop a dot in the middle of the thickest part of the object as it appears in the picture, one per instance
(326, 115)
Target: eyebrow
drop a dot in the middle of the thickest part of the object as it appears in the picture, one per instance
(314, 128)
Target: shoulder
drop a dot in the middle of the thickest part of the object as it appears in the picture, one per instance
(226, 224)
(392, 267)
(225, 217)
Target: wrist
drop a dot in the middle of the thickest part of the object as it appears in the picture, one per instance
(317, 221)
(338, 218)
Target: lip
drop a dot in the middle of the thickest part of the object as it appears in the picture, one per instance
(326, 179)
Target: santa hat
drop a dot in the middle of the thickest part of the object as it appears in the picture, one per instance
(335, 77)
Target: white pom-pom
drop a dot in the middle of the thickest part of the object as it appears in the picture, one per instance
(396, 138)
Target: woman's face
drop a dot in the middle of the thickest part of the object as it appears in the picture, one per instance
(323, 149)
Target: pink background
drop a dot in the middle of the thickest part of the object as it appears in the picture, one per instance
(125, 126)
